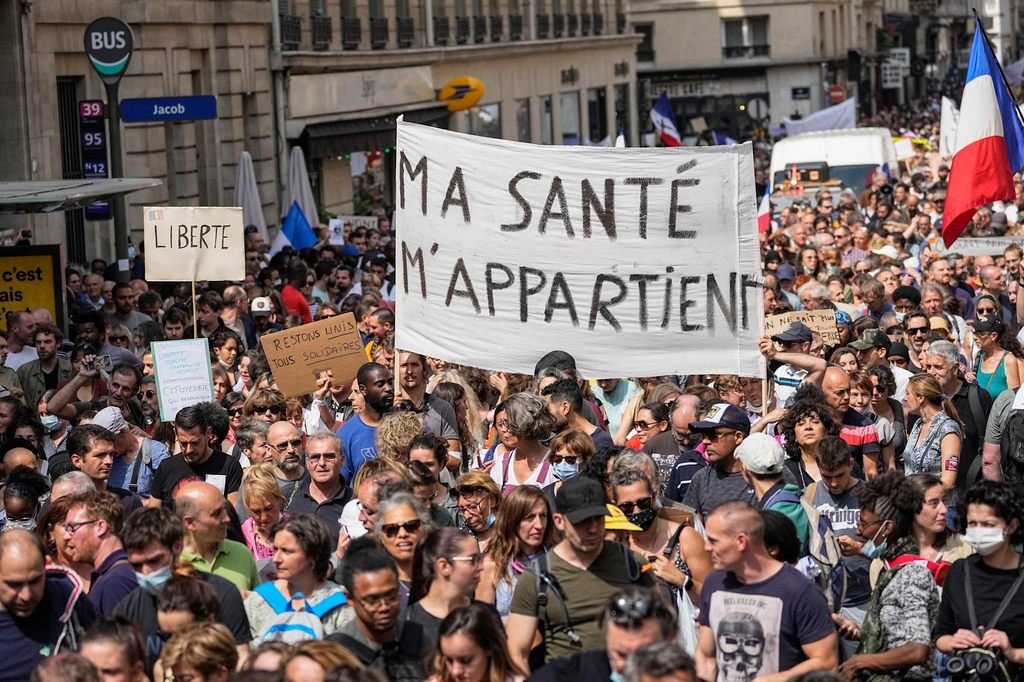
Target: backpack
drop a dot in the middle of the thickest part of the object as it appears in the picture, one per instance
(145, 456)
(546, 582)
(290, 626)
(828, 571)
(1011, 447)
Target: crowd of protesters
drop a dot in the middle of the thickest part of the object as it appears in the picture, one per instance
(854, 514)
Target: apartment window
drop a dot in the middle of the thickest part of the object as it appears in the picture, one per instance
(622, 108)
(523, 131)
(745, 38)
(570, 102)
(547, 121)
(485, 120)
(645, 50)
(597, 113)
(348, 9)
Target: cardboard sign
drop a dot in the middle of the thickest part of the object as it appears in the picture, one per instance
(194, 243)
(638, 262)
(337, 226)
(297, 355)
(32, 277)
(823, 322)
(183, 376)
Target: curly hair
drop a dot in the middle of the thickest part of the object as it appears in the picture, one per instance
(800, 410)
(1003, 498)
(886, 379)
(395, 433)
(894, 498)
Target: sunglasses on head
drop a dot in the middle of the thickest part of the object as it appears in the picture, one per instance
(627, 610)
(275, 409)
(469, 491)
(390, 530)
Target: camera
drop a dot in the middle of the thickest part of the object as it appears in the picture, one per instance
(978, 663)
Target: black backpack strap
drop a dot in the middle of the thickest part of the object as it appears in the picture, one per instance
(545, 581)
(145, 453)
(980, 423)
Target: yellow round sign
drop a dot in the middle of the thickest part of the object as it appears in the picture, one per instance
(461, 93)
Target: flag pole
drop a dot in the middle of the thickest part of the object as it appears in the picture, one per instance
(1002, 74)
(195, 315)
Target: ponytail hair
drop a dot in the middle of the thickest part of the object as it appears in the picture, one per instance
(927, 387)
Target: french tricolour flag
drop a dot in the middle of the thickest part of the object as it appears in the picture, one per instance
(989, 142)
(764, 212)
(665, 122)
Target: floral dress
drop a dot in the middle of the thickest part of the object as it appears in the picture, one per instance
(925, 457)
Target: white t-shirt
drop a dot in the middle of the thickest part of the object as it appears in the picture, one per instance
(22, 357)
(902, 378)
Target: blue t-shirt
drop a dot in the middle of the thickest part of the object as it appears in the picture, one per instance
(359, 443)
(121, 472)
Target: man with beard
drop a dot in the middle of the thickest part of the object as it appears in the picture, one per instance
(123, 384)
(565, 403)
(285, 443)
(42, 612)
(939, 272)
(43, 374)
(198, 460)
(92, 527)
(723, 429)
(438, 416)
(359, 434)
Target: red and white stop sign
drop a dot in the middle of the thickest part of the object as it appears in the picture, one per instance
(836, 94)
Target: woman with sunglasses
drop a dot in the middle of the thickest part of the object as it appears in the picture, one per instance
(524, 530)
(401, 526)
(447, 572)
(234, 403)
(302, 557)
(265, 404)
(570, 452)
(885, 407)
(653, 419)
(479, 499)
(472, 648)
(997, 366)
(263, 501)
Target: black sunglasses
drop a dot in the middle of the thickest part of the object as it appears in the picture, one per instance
(147, 395)
(390, 530)
(643, 504)
(276, 409)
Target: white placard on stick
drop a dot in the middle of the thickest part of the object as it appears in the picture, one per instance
(337, 226)
(183, 375)
(637, 261)
(194, 243)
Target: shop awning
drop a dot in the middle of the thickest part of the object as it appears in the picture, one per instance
(337, 138)
(46, 196)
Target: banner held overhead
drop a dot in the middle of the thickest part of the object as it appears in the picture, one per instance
(637, 261)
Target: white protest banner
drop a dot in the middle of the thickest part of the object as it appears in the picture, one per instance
(976, 246)
(183, 376)
(337, 226)
(193, 243)
(839, 116)
(822, 322)
(947, 126)
(636, 261)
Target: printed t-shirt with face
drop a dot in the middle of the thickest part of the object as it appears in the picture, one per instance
(760, 628)
(220, 470)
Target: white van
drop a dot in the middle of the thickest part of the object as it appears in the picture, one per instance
(851, 155)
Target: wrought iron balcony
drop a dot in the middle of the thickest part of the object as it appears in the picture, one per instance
(291, 32)
(497, 28)
(461, 30)
(574, 24)
(406, 31)
(378, 33)
(515, 27)
(321, 33)
(586, 21)
(559, 25)
(479, 29)
(543, 26)
(441, 30)
(351, 33)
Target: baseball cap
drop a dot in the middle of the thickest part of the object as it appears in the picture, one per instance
(260, 306)
(761, 454)
(785, 271)
(616, 520)
(889, 251)
(581, 498)
(989, 324)
(558, 359)
(872, 338)
(899, 350)
(723, 415)
(111, 419)
(796, 331)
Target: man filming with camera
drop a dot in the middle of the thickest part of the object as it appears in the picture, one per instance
(981, 616)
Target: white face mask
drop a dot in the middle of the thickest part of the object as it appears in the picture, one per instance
(985, 540)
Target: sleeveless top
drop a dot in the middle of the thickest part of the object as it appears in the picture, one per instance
(994, 382)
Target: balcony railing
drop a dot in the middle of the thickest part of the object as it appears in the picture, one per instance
(620, 23)
(351, 33)
(559, 25)
(461, 30)
(479, 29)
(441, 30)
(291, 32)
(746, 51)
(406, 31)
(497, 29)
(321, 33)
(543, 26)
(515, 27)
(599, 24)
(378, 33)
(586, 21)
(574, 24)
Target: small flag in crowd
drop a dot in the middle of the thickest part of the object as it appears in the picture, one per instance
(665, 122)
(989, 141)
(722, 138)
(295, 231)
(764, 212)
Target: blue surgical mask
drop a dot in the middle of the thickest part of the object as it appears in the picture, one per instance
(490, 520)
(51, 423)
(154, 581)
(564, 471)
(870, 549)
(616, 677)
